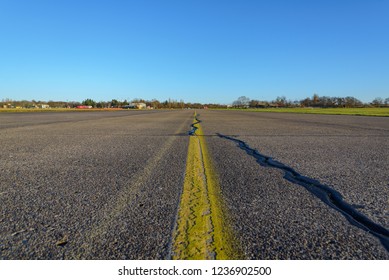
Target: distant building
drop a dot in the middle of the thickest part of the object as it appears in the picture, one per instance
(140, 105)
(129, 106)
(135, 105)
(44, 106)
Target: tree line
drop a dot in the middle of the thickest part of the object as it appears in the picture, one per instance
(154, 103)
(241, 102)
(114, 103)
(314, 101)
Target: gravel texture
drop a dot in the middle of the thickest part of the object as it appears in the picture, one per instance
(96, 185)
(276, 219)
(106, 185)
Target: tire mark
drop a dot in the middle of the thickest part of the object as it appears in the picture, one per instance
(124, 199)
(326, 194)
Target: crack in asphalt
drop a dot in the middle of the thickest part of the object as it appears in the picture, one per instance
(194, 127)
(326, 194)
(201, 231)
(194, 230)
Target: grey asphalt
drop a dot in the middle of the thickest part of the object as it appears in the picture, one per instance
(95, 185)
(106, 185)
(276, 219)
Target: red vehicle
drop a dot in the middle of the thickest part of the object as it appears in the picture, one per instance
(84, 107)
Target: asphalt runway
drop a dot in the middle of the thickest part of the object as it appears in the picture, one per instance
(107, 185)
(91, 185)
(277, 219)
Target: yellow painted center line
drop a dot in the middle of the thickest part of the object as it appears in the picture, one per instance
(201, 231)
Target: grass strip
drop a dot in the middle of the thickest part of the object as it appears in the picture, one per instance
(375, 112)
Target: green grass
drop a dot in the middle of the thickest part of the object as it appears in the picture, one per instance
(380, 112)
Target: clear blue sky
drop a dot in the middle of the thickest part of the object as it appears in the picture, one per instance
(195, 50)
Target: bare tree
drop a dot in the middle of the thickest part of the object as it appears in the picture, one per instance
(377, 102)
(242, 102)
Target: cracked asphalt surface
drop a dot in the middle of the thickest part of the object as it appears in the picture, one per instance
(276, 219)
(106, 185)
